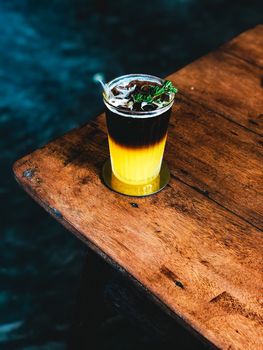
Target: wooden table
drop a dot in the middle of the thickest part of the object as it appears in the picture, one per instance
(197, 246)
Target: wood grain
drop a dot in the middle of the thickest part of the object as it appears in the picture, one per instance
(218, 158)
(196, 247)
(248, 46)
(226, 84)
(175, 243)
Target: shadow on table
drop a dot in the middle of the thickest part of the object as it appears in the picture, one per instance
(114, 313)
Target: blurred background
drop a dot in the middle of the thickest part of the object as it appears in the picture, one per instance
(49, 53)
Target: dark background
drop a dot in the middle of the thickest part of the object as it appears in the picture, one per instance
(50, 51)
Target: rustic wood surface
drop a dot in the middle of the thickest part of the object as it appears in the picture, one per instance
(197, 246)
(228, 84)
(248, 46)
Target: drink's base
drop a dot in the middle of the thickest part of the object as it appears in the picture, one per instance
(141, 190)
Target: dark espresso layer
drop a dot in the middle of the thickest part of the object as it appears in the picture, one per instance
(137, 132)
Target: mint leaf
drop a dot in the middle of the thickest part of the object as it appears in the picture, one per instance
(155, 92)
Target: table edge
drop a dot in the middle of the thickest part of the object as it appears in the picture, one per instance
(209, 342)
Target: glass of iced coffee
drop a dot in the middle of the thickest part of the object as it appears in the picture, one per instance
(138, 108)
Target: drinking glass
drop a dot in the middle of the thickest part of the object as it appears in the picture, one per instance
(136, 142)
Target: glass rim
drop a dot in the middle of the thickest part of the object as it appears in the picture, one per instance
(136, 114)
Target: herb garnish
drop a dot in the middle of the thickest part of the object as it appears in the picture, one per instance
(154, 92)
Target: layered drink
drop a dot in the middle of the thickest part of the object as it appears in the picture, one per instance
(137, 114)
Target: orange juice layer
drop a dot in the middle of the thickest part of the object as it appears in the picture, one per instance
(136, 166)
